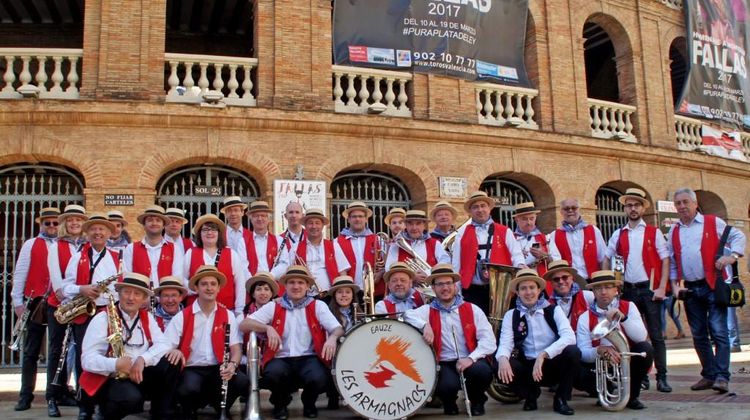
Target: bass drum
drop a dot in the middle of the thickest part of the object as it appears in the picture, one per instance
(383, 369)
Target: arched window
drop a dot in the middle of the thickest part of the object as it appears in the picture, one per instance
(678, 67)
(506, 194)
(609, 212)
(381, 192)
(601, 69)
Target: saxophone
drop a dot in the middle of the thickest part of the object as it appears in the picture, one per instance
(82, 305)
(115, 337)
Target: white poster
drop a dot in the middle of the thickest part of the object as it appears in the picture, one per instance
(309, 194)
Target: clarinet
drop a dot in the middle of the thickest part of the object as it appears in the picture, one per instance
(63, 356)
(225, 382)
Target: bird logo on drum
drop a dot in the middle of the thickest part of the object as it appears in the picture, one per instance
(394, 351)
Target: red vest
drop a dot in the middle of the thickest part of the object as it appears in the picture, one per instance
(332, 268)
(466, 315)
(142, 265)
(252, 256)
(317, 332)
(499, 254)
(577, 308)
(429, 248)
(159, 322)
(37, 279)
(226, 294)
(590, 258)
(709, 246)
(624, 307)
(83, 277)
(63, 257)
(651, 260)
(91, 382)
(221, 318)
(371, 249)
(187, 244)
(390, 307)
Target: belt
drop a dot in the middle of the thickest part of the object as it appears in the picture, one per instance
(696, 283)
(640, 285)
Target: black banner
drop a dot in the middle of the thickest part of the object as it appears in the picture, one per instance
(717, 85)
(469, 39)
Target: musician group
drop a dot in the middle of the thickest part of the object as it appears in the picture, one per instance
(166, 319)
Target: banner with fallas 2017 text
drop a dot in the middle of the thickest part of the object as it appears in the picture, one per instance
(468, 39)
(717, 86)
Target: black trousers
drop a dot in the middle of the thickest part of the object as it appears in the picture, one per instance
(651, 311)
(32, 345)
(282, 376)
(478, 379)
(478, 294)
(560, 371)
(201, 385)
(55, 336)
(85, 403)
(638, 369)
(121, 398)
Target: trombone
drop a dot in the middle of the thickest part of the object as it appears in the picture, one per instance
(368, 277)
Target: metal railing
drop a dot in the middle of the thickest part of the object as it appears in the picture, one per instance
(231, 76)
(611, 120)
(505, 105)
(358, 90)
(47, 73)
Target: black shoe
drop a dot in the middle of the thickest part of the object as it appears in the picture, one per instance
(450, 409)
(280, 413)
(634, 404)
(645, 383)
(52, 409)
(67, 401)
(310, 412)
(84, 415)
(477, 409)
(662, 385)
(529, 405)
(23, 404)
(333, 403)
(562, 407)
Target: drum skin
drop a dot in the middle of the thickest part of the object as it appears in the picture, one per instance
(383, 369)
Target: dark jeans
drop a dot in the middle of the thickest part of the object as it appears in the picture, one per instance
(201, 385)
(560, 371)
(282, 376)
(85, 404)
(651, 311)
(32, 345)
(704, 318)
(478, 378)
(478, 295)
(55, 336)
(638, 369)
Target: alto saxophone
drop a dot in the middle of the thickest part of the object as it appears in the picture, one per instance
(82, 305)
(115, 337)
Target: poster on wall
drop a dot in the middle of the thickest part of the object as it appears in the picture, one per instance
(467, 39)
(717, 86)
(309, 194)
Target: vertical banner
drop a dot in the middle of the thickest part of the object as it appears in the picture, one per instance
(717, 86)
(468, 39)
(309, 194)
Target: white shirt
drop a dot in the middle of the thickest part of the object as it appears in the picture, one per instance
(261, 247)
(420, 248)
(635, 271)
(95, 345)
(316, 263)
(294, 238)
(400, 306)
(239, 271)
(633, 327)
(566, 307)
(358, 246)
(179, 245)
(21, 270)
(486, 343)
(575, 242)
(296, 340)
(516, 254)
(201, 348)
(154, 253)
(105, 269)
(527, 241)
(540, 337)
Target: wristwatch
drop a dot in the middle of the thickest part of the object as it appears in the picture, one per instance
(735, 255)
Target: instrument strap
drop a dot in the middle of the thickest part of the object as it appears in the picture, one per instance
(128, 328)
(487, 247)
(92, 264)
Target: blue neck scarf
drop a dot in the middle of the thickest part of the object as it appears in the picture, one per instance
(287, 304)
(524, 310)
(580, 224)
(457, 301)
(517, 232)
(161, 313)
(573, 290)
(485, 225)
(409, 297)
(347, 232)
(598, 311)
(44, 235)
(425, 236)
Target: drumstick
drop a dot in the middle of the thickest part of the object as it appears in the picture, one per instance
(461, 374)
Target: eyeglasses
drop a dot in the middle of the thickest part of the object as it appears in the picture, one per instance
(573, 208)
(633, 205)
(442, 284)
(51, 223)
(561, 278)
(209, 229)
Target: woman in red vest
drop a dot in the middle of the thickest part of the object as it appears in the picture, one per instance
(211, 249)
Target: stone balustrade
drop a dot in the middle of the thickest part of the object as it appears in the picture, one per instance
(688, 132)
(611, 120)
(745, 144)
(505, 105)
(46, 73)
(673, 4)
(358, 90)
(193, 76)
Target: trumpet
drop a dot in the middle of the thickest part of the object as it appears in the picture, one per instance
(22, 324)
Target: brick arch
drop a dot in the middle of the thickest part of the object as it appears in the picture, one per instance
(414, 173)
(621, 186)
(711, 203)
(260, 167)
(541, 192)
(57, 152)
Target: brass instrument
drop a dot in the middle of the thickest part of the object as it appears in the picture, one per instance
(22, 324)
(618, 266)
(613, 379)
(63, 356)
(368, 306)
(418, 264)
(383, 242)
(252, 408)
(115, 338)
(448, 241)
(82, 305)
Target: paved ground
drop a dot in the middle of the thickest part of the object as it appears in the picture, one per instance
(682, 404)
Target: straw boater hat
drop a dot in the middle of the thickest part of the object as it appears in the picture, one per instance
(442, 270)
(443, 205)
(175, 213)
(232, 201)
(315, 214)
(356, 205)
(171, 282)
(297, 272)
(603, 277)
(117, 216)
(208, 218)
(153, 211)
(343, 281)
(394, 212)
(637, 194)
(98, 219)
(398, 267)
(72, 210)
(262, 277)
(561, 265)
(47, 213)
(478, 196)
(525, 208)
(527, 274)
(207, 271)
(417, 215)
(258, 206)
(136, 281)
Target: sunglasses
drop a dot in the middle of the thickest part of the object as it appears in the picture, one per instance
(51, 223)
(561, 278)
